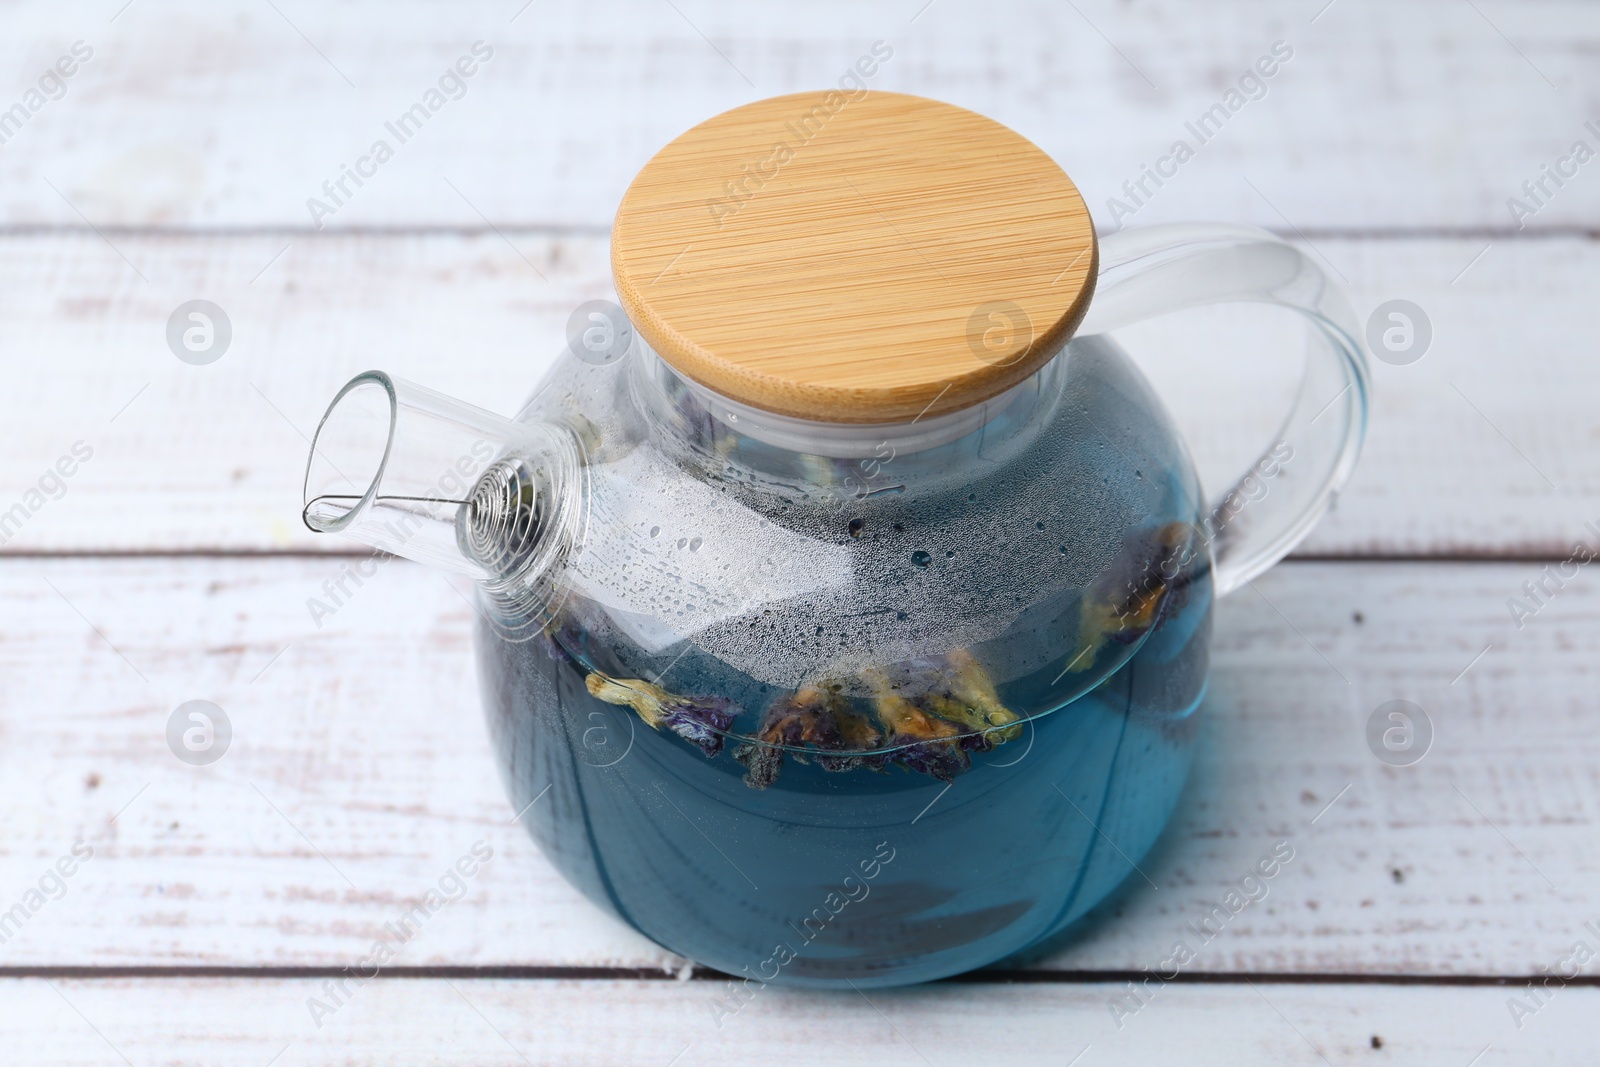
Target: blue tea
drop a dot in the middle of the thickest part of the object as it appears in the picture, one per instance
(886, 821)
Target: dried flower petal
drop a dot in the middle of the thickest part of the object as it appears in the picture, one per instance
(700, 720)
(817, 717)
(941, 759)
(955, 688)
(926, 743)
(561, 639)
(761, 763)
(973, 701)
(1131, 597)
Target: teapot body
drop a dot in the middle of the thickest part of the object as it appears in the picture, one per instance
(877, 718)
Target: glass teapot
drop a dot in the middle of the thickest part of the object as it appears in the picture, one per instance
(845, 595)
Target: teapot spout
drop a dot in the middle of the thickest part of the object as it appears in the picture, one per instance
(419, 474)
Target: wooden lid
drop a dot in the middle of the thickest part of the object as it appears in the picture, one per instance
(866, 257)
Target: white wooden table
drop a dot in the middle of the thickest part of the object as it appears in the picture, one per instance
(171, 565)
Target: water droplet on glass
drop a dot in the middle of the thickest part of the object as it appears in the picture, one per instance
(920, 558)
(694, 544)
(855, 527)
(654, 530)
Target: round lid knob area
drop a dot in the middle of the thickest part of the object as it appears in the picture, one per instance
(865, 257)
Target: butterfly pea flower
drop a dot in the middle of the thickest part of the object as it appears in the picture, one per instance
(925, 742)
(701, 720)
(815, 723)
(940, 759)
(969, 698)
(1136, 591)
(954, 689)
(933, 710)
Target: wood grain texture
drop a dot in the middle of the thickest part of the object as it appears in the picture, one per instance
(74, 1023)
(210, 458)
(1425, 114)
(861, 257)
(1389, 145)
(360, 770)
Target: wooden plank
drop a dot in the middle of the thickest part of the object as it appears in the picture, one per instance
(1395, 115)
(227, 1022)
(209, 458)
(359, 770)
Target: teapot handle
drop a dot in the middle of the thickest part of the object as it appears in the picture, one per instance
(1157, 269)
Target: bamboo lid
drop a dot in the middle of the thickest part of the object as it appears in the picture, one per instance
(866, 257)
